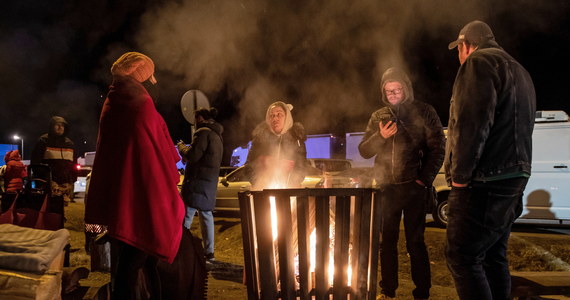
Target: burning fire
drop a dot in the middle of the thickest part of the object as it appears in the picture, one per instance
(313, 241)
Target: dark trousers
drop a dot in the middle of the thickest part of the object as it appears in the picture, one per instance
(409, 199)
(478, 229)
(134, 274)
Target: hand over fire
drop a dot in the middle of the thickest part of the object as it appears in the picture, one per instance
(181, 146)
(387, 130)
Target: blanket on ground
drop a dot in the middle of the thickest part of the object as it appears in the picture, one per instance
(30, 250)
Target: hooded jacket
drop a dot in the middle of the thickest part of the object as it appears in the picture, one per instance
(57, 151)
(277, 160)
(203, 160)
(15, 172)
(491, 118)
(416, 150)
(133, 187)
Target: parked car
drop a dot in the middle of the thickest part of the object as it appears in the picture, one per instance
(330, 165)
(546, 198)
(226, 170)
(238, 180)
(80, 184)
(360, 177)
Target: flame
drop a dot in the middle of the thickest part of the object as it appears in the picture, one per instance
(313, 243)
(313, 256)
(273, 210)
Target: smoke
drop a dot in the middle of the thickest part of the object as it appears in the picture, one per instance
(319, 56)
(324, 57)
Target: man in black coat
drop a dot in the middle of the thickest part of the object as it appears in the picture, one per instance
(407, 139)
(203, 159)
(487, 162)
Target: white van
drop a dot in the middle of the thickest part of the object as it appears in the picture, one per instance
(547, 195)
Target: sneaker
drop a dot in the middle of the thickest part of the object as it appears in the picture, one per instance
(384, 297)
(210, 257)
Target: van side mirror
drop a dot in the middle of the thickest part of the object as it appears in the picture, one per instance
(224, 182)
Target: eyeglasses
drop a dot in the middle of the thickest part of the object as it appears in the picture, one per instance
(397, 91)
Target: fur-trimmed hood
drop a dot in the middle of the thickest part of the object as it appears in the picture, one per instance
(288, 118)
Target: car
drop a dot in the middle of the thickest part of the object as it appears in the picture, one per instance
(80, 185)
(224, 170)
(361, 177)
(331, 165)
(239, 180)
(546, 199)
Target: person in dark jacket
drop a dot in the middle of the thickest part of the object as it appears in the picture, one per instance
(487, 162)
(203, 159)
(56, 150)
(278, 155)
(406, 136)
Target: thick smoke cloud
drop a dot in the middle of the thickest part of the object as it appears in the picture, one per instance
(324, 57)
(319, 56)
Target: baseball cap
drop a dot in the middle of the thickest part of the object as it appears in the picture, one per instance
(474, 32)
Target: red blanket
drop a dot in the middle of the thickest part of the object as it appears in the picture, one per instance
(133, 183)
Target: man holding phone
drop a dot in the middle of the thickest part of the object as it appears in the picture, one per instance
(407, 139)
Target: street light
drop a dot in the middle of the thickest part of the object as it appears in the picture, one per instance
(17, 137)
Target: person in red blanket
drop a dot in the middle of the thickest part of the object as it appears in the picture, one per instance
(133, 187)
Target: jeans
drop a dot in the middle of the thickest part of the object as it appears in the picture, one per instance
(478, 229)
(206, 226)
(409, 198)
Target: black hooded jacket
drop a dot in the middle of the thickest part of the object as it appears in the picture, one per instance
(491, 118)
(203, 159)
(57, 152)
(416, 150)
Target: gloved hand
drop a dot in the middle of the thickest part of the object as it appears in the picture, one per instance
(181, 146)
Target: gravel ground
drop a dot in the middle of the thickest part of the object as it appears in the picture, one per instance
(226, 275)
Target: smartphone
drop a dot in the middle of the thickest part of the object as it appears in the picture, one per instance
(385, 120)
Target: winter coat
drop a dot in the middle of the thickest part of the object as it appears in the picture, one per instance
(203, 159)
(277, 161)
(133, 187)
(15, 172)
(491, 118)
(57, 152)
(416, 151)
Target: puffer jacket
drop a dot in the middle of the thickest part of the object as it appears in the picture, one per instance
(203, 159)
(15, 172)
(416, 150)
(491, 118)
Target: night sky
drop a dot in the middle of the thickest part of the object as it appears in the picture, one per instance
(325, 57)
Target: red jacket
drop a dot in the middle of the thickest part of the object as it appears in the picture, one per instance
(133, 187)
(15, 172)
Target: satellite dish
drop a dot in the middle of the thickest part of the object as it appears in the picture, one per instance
(191, 101)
